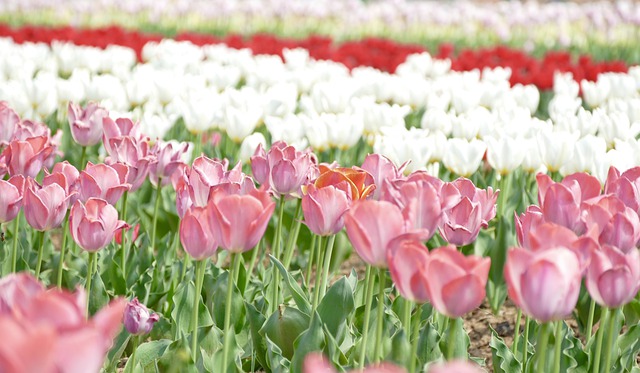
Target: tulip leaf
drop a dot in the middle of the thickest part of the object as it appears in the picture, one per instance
(283, 327)
(629, 345)
(118, 348)
(502, 357)
(277, 362)
(336, 307)
(632, 312)
(428, 347)
(309, 341)
(400, 348)
(147, 353)
(220, 299)
(98, 297)
(461, 342)
(256, 321)
(574, 358)
(294, 288)
(182, 312)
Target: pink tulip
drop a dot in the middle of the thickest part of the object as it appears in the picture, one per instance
(383, 170)
(613, 278)
(316, 363)
(32, 347)
(131, 157)
(617, 224)
(456, 366)
(371, 225)
(134, 233)
(93, 224)
(544, 284)
(65, 175)
(11, 193)
(137, 318)
(420, 204)
(16, 289)
(324, 209)
(456, 282)
(119, 128)
(204, 174)
(407, 265)
(167, 158)
(45, 207)
(86, 124)
(526, 222)
(239, 221)
(452, 193)
(26, 157)
(196, 234)
(461, 223)
(9, 122)
(103, 181)
(283, 169)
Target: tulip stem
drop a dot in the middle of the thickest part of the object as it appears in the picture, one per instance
(541, 348)
(503, 197)
(316, 285)
(525, 344)
(414, 337)
(83, 158)
(252, 262)
(558, 347)
(327, 265)
(134, 343)
(293, 234)
(90, 266)
(235, 266)
(16, 236)
(63, 251)
(592, 312)
(312, 252)
(516, 332)
(123, 237)
(201, 265)
(380, 316)
(276, 253)
(40, 254)
(611, 331)
(155, 214)
(604, 319)
(367, 314)
(454, 324)
(406, 317)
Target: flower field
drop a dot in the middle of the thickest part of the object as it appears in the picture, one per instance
(319, 187)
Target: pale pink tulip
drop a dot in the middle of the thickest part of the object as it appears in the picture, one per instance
(167, 157)
(456, 283)
(383, 170)
(283, 169)
(371, 225)
(103, 181)
(11, 194)
(45, 207)
(456, 366)
(544, 284)
(625, 186)
(137, 318)
(26, 157)
(617, 224)
(16, 289)
(119, 128)
(93, 224)
(461, 223)
(86, 124)
(130, 156)
(9, 122)
(452, 193)
(526, 222)
(407, 265)
(324, 209)
(613, 277)
(196, 234)
(316, 363)
(32, 347)
(420, 204)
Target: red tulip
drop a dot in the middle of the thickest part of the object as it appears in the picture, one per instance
(196, 234)
(86, 124)
(324, 209)
(93, 224)
(613, 277)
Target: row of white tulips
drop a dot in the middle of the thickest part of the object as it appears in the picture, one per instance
(458, 116)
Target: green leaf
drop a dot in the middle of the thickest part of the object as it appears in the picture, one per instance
(294, 288)
(147, 353)
(336, 307)
(277, 362)
(400, 348)
(462, 342)
(98, 297)
(428, 345)
(118, 348)
(502, 357)
(283, 327)
(182, 313)
(629, 344)
(256, 321)
(220, 299)
(309, 341)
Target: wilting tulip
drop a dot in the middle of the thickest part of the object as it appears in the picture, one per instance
(458, 366)
(456, 282)
(407, 265)
(167, 159)
(316, 363)
(103, 181)
(196, 235)
(283, 168)
(45, 207)
(324, 209)
(137, 318)
(11, 198)
(239, 221)
(93, 224)
(86, 124)
(357, 182)
(371, 226)
(544, 284)
(613, 277)
(27, 157)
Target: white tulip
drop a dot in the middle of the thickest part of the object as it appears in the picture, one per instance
(464, 157)
(288, 129)
(504, 154)
(587, 153)
(556, 148)
(249, 146)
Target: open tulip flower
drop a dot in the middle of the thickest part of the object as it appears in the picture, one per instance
(119, 128)
(26, 157)
(130, 156)
(86, 124)
(45, 207)
(93, 224)
(355, 181)
(11, 194)
(283, 169)
(613, 277)
(167, 158)
(103, 181)
(324, 209)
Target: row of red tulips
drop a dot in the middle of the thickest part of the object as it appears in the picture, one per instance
(382, 54)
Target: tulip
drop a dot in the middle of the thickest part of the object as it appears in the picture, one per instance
(167, 158)
(381, 169)
(613, 277)
(103, 181)
(324, 209)
(283, 169)
(45, 207)
(625, 186)
(505, 154)
(358, 183)
(316, 363)
(617, 224)
(408, 264)
(526, 222)
(456, 366)
(93, 224)
(9, 122)
(137, 318)
(461, 223)
(27, 157)
(86, 124)
(131, 157)
(11, 198)
(544, 284)
(134, 233)
(250, 145)
(119, 128)
(32, 347)
(463, 157)
(456, 283)
(420, 204)
(196, 235)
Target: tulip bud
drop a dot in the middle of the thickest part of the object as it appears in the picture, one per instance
(137, 318)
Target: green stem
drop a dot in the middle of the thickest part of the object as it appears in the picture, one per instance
(604, 320)
(197, 145)
(252, 262)
(516, 332)
(592, 312)
(558, 347)
(316, 286)
(134, 343)
(415, 339)
(155, 214)
(312, 252)
(275, 295)
(16, 236)
(83, 158)
(367, 314)
(90, 266)
(123, 248)
(612, 330)
(294, 231)
(327, 265)
(453, 331)
(541, 348)
(63, 251)
(40, 254)
(525, 344)
(235, 259)
(504, 194)
(406, 316)
(380, 317)
(201, 266)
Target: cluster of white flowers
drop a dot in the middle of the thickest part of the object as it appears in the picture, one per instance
(456, 117)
